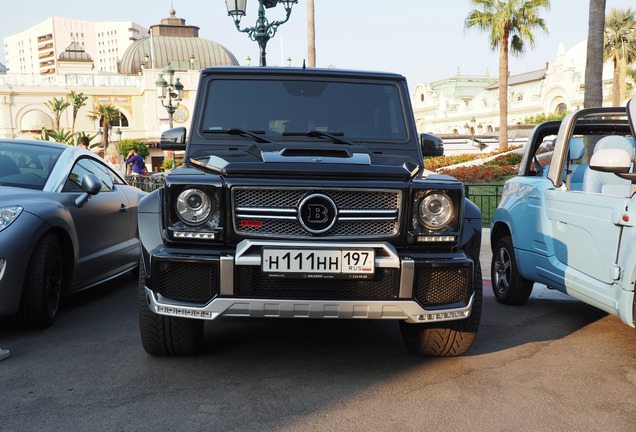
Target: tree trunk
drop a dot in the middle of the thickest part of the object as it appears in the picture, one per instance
(311, 34)
(594, 63)
(616, 84)
(105, 141)
(503, 92)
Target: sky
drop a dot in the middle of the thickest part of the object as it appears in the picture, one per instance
(424, 40)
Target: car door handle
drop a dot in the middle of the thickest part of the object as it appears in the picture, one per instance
(123, 208)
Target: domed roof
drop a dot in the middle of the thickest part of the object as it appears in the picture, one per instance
(175, 43)
(75, 52)
(177, 51)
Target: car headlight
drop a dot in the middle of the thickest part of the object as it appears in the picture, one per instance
(435, 210)
(195, 207)
(8, 215)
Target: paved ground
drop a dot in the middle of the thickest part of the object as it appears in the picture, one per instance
(549, 365)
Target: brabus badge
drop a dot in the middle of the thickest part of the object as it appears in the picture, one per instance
(317, 213)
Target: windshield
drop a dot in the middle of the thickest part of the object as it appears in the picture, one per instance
(280, 109)
(25, 165)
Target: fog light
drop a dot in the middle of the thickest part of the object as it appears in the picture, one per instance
(442, 316)
(176, 311)
(194, 235)
(436, 239)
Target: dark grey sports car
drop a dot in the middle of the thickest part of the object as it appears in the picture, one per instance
(67, 222)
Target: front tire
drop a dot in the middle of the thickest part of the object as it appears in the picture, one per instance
(509, 287)
(164, 335)
(42, 288)
(449, 338)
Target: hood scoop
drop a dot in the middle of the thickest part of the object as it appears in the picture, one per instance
(320, 160)
(325, 153)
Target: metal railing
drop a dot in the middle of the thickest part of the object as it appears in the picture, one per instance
(145, 183)
(486, 196)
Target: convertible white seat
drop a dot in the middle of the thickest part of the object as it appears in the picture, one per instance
(605, 182)
(577, 150)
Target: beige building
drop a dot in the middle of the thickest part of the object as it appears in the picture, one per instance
(465, 107)
(36, 50)
(23, 113)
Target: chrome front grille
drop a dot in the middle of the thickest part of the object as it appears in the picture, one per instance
(267, 212)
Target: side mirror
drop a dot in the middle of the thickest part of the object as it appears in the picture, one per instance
(431, 145)
(91, 185)
(173, 139)
(611, 160)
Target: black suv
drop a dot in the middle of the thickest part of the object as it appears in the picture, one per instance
(303, 196)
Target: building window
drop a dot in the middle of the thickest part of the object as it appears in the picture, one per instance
(122, 122)
(561, 108)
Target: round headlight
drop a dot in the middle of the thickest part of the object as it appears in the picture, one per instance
(194, 206)
(436, 211)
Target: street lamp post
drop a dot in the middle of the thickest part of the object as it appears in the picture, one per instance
(169, 91)
(263, 31)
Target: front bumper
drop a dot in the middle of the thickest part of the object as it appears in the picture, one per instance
(407, 286)
(16, 246)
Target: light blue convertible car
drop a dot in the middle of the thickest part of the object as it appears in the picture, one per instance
(568, 220)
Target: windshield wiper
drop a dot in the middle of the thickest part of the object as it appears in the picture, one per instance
(320, 134)
(241, 132)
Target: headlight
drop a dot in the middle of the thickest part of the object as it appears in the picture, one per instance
(195, 207)
(435, 210)
(8, 215)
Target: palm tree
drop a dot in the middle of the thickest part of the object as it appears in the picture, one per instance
(78, 100)
(105, 114)
(57, 107)
(311, 34)
(593, 96)
(509, 25)
(620, 46)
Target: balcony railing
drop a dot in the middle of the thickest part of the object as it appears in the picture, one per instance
(32, 80)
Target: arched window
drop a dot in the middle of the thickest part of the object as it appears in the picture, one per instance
(561, 108)
(122, 122)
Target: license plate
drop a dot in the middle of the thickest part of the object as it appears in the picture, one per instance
(348, 263)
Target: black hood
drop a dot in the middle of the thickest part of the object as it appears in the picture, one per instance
(324, 159)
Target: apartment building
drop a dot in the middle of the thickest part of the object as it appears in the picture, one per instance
(36, 50)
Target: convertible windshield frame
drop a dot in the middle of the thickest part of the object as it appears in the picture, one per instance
(357, 111)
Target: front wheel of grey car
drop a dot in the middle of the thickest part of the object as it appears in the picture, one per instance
(448, 338)
(508, 285)
(42, 285)
(164, 335)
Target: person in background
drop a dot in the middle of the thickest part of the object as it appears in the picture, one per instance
(83, 142)
(114, 159)
(138, 164)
